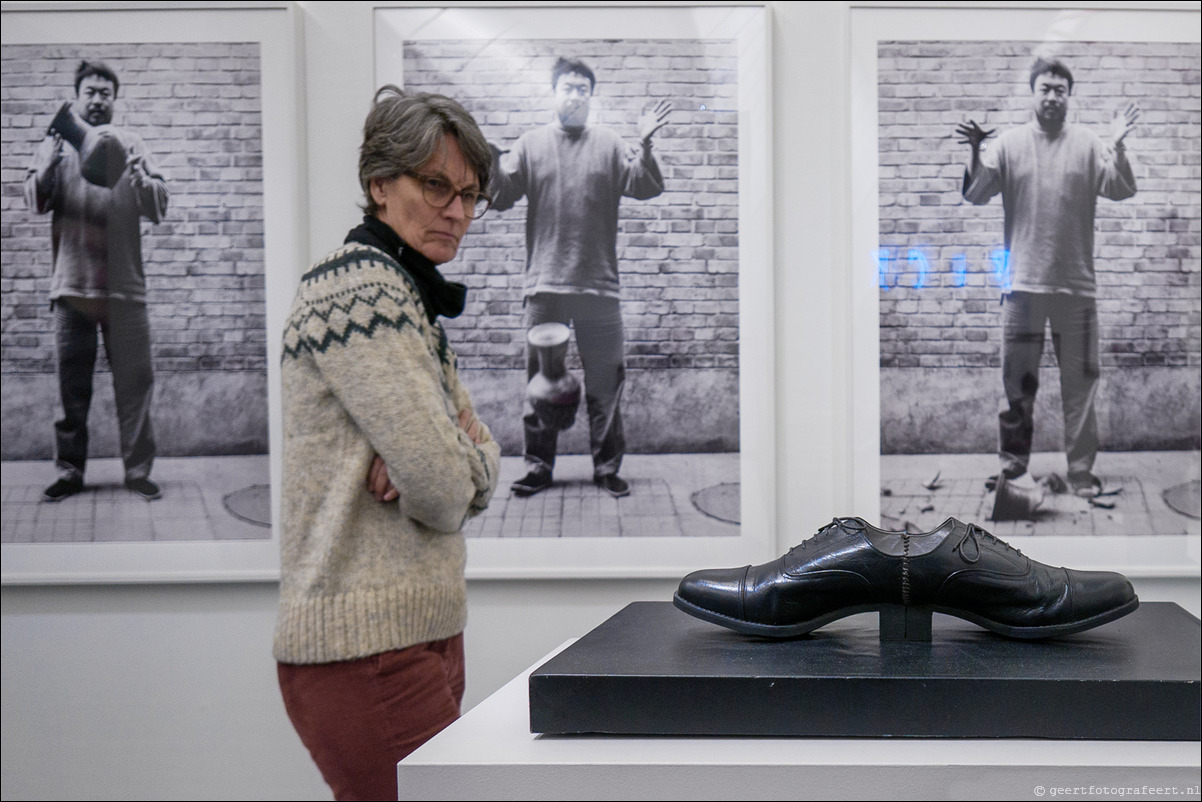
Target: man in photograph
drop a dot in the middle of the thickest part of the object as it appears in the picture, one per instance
(1050, 173)
(575, 175)
(97, 280)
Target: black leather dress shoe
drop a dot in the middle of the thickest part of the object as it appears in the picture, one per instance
(958, 569)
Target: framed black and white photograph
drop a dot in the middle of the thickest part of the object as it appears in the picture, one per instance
(143, 298)
(1033, 363)
(692, 285)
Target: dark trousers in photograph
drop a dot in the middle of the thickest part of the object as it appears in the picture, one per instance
(600, 340)
(125, 328)
(1074, 324)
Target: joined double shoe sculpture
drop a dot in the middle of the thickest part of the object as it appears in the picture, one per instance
(957, 569)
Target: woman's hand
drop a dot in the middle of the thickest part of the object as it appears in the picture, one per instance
(381, 487)
(470, 424)
(378, 483)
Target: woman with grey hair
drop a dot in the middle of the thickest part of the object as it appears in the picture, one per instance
(369, 637)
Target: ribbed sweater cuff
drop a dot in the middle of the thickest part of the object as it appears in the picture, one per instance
(325, 629)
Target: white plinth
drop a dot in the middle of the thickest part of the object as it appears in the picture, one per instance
(491, 754)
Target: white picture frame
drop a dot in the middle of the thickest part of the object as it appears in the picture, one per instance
(274, 28)
(754, 539)
(1138, 554)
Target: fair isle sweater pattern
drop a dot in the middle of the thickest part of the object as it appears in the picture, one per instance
(341, 317)
(361, 305)
(365, 373)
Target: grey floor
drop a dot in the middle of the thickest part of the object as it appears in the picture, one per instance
(960, 491)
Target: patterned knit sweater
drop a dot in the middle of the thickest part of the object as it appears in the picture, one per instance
(365, 372)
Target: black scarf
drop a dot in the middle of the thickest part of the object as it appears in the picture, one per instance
(439, 296)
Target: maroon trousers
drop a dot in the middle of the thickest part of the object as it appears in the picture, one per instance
(358, 718)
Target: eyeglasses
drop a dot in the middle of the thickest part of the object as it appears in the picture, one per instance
(440, 193)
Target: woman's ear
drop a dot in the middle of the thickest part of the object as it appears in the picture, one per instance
(378, 194)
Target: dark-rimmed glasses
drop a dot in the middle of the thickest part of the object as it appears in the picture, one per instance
(440, 193)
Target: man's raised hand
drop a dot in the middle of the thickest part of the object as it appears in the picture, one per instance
(972, 134)
(654, 118)
(1123, 123)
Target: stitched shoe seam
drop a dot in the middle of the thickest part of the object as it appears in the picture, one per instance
(743, 594)
(1068, 585)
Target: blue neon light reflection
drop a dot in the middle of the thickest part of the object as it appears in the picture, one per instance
(889, 271)
(918, 260)
(1001, 267)
(959, 270)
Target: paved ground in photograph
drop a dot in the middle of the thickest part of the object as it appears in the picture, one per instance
(227, 498)
(204, 499)
(958, 487)
(672, 495)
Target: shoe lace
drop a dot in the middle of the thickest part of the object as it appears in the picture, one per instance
(968, 542)
(844, 524)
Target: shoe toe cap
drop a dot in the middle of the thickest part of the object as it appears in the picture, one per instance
(1098, 592)
(719, 590)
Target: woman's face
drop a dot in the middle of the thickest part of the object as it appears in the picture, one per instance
(435, 233)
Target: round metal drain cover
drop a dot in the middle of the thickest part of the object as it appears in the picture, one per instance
(251, 504)
(720, 501)
(1185, 498)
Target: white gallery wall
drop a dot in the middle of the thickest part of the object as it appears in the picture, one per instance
(168, 691)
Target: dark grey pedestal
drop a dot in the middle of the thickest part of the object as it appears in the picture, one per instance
(652, 670)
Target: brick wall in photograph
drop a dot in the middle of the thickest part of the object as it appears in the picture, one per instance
(197, 106)
(678, 253)
(941, 258)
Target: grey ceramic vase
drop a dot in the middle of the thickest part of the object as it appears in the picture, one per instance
(102, 154)
(1014, 503)
(553, 392)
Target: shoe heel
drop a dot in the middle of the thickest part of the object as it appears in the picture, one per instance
(905, 623)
